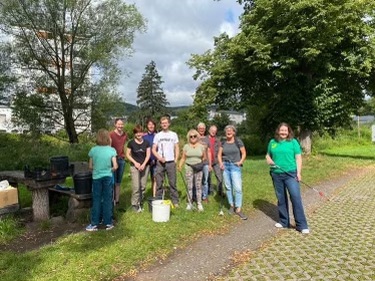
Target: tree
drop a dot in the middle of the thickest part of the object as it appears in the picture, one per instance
(7, 79)
(151, 99)
(304, 62)
(67, 50)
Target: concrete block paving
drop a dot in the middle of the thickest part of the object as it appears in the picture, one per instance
(341, 245)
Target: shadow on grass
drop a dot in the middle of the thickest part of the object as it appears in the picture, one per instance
(267, 208)
(361, 157)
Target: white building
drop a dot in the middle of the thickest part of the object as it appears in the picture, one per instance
(234, 116)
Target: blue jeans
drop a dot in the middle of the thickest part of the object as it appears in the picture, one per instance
(233, 184)
(102, 193)
(205, 181)
(120, 170)
(285, 184)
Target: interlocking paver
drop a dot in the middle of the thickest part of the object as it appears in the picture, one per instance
(341, 245)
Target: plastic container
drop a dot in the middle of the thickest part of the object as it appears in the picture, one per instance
(150, 200)
(59, 166)
(83, 183)
(160, 211)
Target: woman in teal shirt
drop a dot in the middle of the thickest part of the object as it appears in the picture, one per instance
(284, 156)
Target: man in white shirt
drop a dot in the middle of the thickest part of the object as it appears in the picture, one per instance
(166, 150)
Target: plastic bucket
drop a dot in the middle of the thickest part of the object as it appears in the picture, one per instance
(82, 183)
(59, 166)
(150, 200)
(160, 211)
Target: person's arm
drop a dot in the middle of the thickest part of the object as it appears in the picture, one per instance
(243, 155)
(299, 166)
(114, 163)
(91, 167)
(269, 160)
(220, 157)
(157, 155)
(176, 152)
(210, 160)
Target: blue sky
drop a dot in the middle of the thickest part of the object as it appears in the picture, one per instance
(175, 30)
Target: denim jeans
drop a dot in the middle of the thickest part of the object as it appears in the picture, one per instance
(120, 170)
(205, 175)
(102, 192)
(233, 184)
(285, 184)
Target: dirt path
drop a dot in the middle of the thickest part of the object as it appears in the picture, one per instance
(214, 255)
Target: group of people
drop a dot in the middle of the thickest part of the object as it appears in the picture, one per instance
(158, 154)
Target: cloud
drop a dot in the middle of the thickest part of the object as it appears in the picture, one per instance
(175, 31)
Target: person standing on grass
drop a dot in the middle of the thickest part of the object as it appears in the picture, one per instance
(284, 156)
(214, 145)
(231, 156)
(149, 136)
(103, 163)
(193, 152)
(119, 138)
(138, 153)
(203, 139)
(166, 150)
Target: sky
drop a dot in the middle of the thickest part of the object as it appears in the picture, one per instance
(176, 29)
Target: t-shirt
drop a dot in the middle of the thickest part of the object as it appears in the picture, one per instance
(283, 153)
(166, 142)
(118, 143)
(193, 154)
(138, 150)
(102, 161)
(150, 138)
(231, 151)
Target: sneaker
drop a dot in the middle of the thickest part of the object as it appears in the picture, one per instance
(189, 207)
(91, 227)
(200, 207)
(231, 210)
(305, 231)
(109, 226)
(176, 205)
(241, 215)
(279, 225)
(135, 208)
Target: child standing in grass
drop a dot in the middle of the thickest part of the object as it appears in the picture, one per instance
(103, 163)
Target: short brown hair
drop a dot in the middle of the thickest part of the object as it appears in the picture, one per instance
(102, 137)
(137, 129)
(290, 131)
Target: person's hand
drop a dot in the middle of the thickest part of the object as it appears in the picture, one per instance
(137, 165)
(221, 166)
(209, 168)
(298, 177)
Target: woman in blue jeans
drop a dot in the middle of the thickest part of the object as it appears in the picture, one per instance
(231, 156)
(103, 163)
(284, 156)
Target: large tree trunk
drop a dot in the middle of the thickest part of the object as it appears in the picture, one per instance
(40, 204)
(306, 140)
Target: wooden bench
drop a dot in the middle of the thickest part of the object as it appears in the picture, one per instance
(38, 188)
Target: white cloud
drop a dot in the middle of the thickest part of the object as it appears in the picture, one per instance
(175, 30)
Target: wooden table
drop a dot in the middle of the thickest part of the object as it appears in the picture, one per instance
(38, 188)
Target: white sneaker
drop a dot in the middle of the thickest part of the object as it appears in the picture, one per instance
(305, 231)
(278, 225)
(189, 207)
(200, 207)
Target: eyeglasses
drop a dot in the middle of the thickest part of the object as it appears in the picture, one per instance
(193, 136)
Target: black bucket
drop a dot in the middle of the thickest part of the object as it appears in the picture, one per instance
(83, 183)
(59, 166)
(150, 199)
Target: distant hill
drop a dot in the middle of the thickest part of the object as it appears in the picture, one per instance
(130, 108)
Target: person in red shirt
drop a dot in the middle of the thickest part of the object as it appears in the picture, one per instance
(118, 140)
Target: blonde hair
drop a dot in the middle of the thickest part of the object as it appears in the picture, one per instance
(102, 137)
(190, 133)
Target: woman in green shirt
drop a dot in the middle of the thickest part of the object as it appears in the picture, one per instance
(284, 156)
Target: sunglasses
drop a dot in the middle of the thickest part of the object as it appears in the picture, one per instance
(193, 136)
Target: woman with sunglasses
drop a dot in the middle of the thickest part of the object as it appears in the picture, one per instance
(193, 153)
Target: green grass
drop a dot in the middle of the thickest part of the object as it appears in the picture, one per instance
(137, 241)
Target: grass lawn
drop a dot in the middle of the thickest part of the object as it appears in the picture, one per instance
(137, 241)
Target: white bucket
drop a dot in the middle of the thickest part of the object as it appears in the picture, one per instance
(160, 211)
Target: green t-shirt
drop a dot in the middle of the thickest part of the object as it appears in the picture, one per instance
(193, 154)
(283, 153)
(102, 161)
